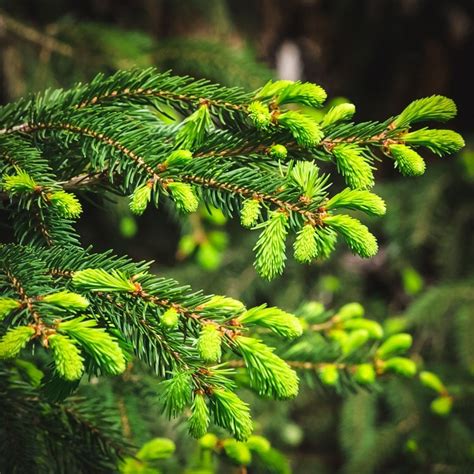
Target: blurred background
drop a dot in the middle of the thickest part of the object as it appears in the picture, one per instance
(378, 54)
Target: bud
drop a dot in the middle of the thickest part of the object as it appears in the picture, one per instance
(359, 200)
(250, 212)
(194, 128)
(98, 279)
(271, 246)
(305, 93)
(170, 318)
(14, 340)
(339, 336)
(396, 344)
(304, 129)
(208, 441)
(329, 374)
(430, 380)
(258, 444)
(350, 311)
(355, 341)
(157, 448)
(67, 358)
(269, 374)
(209, 343)
(442, 405)
(401, 366)
(178, 158)
(7, 305)
(305, 248)
(436, 107)
(184, 196)
(237, 452)
(356, 234)
(278, 321)
(223, 303)
(67, 204)
(97, 342)
(408, 161)
(66, 299)
(353, 165)
(198, 422)
(372, 327)
(441, 142)
(364, 374)
(338, 113)
(232, 413)
(278, 152)
(259, 115)
(140, 198)
(21, 182)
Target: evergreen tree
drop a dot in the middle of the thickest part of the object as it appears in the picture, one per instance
(258, 154)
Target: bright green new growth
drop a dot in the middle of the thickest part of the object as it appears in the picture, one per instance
(353, 166)
(365, 374)
(337, 114)
(140, 198)
(96, 342)
(67, 299)
(98, 279)
(194, 128)
(400, 365)
(209, 343)
(225, 151)
(170, 318)
(278, 321)
(67, 204)
(278, 152)
(305, 174)
(232, 413)
(269, 375)
(356, 234)
(259, 444)
(67, 357)
(326, 240)
(224, 303)
(358, 199)
(184, 196)
(237, 452)
(407, 160)
(21, 182)
(250, 212)
(157, 448)
(178, 157)
(284, 92)
(7, 305)
(176, 393)
(442, 405)
(355, 341)
(304, 93)
(329, 374)
(304, 129)
(441, 142)
(260, 115)
(436, 107)
(372, 327)
(270, 247)
(14, 341)
(396, 344)
(350, 311)
(431, 380)
(198, 422)
(305, 246)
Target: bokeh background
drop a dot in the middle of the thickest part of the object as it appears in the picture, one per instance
(378, 54)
